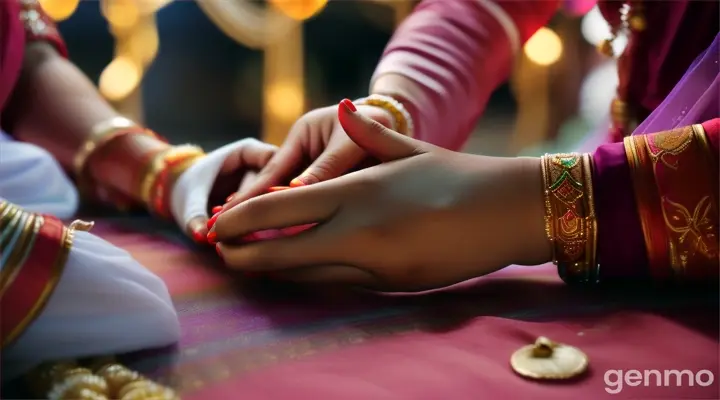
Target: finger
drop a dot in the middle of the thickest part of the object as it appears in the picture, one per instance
(281, 209)
(197, 229)
(372, 136)
(247, 181)
(278, 169)
(339, 274)
(333, 162)
(311, 248)
(254, 154)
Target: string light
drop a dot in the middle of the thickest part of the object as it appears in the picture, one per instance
(299, 10)
(120, 78)
(285, 101)
(59, 10)
(544, 47)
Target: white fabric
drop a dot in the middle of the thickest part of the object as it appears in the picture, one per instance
(105, 301)
(32, 178)
(191, 192)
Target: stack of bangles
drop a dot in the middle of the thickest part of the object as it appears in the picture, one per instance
(403, 122)
(570, 221)
(156, 174)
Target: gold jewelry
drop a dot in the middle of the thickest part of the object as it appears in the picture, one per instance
(100, 135)
(546, 359)
(169, 158)
(570, 211)
(402, 118)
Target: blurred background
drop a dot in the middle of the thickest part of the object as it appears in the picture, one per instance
(214, 71)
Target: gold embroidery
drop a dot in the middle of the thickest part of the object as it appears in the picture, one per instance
(670, 143)
(696, 231)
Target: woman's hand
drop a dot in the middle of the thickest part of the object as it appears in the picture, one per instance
(426, 217)
(210, 180)
(318, 139)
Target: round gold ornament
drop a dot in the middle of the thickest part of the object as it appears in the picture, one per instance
(546, 359)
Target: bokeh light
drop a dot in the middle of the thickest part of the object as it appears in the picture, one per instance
(285, 101)
(121, 14)
(120, 78)
(59, 10)
(143, 42)
(544, 47)
(299, 10)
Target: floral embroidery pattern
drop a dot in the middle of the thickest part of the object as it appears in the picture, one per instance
(696, 230)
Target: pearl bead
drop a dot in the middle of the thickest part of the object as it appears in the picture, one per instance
(117, 377)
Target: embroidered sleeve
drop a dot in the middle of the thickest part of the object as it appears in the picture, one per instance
(675, 181)
(39, 26)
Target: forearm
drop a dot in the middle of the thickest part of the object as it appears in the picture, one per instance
(449, 56)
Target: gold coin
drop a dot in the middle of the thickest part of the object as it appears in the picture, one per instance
(549, 360)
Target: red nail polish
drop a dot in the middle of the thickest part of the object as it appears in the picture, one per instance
(212, 220)
(278, 188)
(349, 104)
(199, 237)
(216, 209)
(229, 198)
(297, 182)
(217, 249)
(212, 237)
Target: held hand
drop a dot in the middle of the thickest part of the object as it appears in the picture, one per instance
(212, 178)
(425, 218)
(318, 138)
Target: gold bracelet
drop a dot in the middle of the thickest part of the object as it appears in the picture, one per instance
(570, 210)
(170, 158)
(402, 118)
(100, 134)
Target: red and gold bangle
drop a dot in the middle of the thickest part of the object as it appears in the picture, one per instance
(403, 122)
(163, 170)
(570, 215)
(30, 284)
(675, 178)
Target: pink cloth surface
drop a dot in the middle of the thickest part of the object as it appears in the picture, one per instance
(260, 340)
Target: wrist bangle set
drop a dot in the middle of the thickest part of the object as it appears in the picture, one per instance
(403, 122)
(570, 221)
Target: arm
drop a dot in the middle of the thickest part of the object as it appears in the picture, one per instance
(659, 223)
(54, 106)
(449, 56)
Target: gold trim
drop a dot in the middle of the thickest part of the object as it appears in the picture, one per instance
(57, 268)
(636, 174)
(39, 221)
(19, 250)
(591, 224)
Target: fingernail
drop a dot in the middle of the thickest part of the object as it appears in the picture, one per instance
(199, 237)
(212, 237)
(297, 182)
(217, 249)
(349, 104)
(212, 220)
(229, 198)
(216, 209)
(277, 188)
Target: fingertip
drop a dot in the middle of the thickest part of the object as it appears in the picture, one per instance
(349, 106)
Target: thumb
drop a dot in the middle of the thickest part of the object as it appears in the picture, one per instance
(379, 141)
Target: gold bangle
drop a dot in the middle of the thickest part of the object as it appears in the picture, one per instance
(571, 211)
(172, 157)
(157, 163)
(100, 134)
(402, 118)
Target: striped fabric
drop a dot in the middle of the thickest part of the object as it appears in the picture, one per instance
(260, 340)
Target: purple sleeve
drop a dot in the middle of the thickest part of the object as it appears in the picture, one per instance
(620, 241)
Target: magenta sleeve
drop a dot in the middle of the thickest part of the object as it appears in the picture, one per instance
(620, 241)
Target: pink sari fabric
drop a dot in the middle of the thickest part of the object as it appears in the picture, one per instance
(12, 43)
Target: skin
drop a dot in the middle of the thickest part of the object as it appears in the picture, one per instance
(424, 218)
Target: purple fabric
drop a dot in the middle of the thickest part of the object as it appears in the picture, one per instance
(693, 100)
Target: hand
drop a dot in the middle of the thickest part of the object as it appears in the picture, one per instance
(318, 138)
(425, 218)
(212, 179)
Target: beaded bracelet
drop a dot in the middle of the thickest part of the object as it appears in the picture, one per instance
(402, 118)
(570, 220)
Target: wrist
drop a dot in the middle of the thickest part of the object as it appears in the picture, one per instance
(537, 246)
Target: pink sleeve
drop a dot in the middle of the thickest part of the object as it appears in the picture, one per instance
(457, 52)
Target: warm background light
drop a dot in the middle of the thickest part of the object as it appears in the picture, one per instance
(59, 10)
(544, 47)
(121, 14)
(299, 9)
(285, 101)
(143, 42)
(120, 78)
